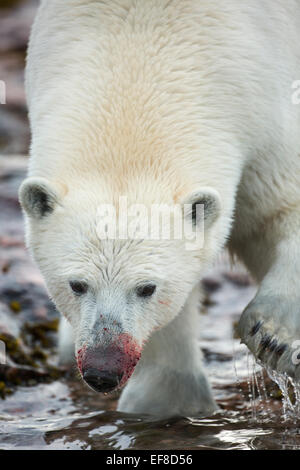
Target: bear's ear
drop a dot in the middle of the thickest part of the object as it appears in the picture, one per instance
(38, 197)
(203, 205)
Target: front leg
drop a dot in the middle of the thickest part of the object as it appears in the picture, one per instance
(66, 348)
(169, 379)
(270, 325)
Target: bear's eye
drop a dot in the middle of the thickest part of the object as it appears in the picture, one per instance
(79, 288)
(146, 291)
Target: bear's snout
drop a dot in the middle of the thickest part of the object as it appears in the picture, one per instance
(106, 367)
(102, 380)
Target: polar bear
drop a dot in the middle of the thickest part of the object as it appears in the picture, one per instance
(164, 103)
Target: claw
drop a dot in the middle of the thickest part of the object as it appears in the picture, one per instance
(273, 345)
(281, 348)
(256, 327)
(269, 335)
(266, 341)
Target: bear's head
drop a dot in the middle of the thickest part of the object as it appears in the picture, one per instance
(117, 287)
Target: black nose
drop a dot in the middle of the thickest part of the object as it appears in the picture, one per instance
(101, 380)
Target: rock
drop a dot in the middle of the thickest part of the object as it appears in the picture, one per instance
(28, 319)
(15, 22)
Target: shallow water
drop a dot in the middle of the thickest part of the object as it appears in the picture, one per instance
(67, 422)
(65, 414)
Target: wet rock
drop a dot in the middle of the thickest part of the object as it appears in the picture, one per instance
(15, 22)
(14, 130)
(28, 319)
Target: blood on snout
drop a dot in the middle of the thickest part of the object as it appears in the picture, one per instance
(132, 353)
(79, 356)
(119, 355)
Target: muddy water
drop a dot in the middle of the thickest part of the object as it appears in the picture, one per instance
(43, 407)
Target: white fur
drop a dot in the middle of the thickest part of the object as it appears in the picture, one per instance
(155, 100)
(65, 342)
